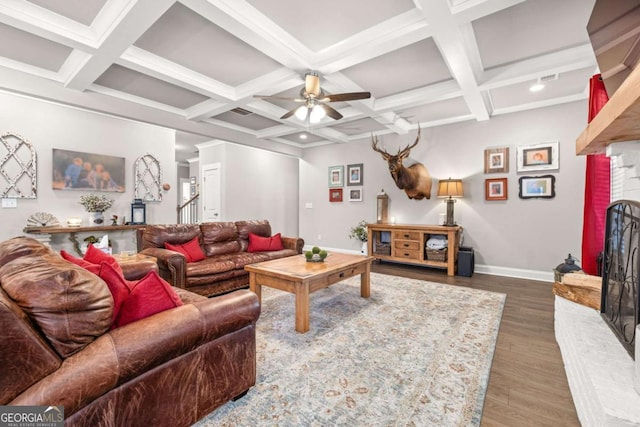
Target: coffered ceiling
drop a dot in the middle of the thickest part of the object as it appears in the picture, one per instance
(195, 65)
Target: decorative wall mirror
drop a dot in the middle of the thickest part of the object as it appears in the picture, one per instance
(18, 174)
(147, 179)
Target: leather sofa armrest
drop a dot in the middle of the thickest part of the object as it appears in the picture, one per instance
(172, 265)
(132, 350)
(294, 243)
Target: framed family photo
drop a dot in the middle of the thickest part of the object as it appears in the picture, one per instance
(335, 194)
(537, 187)
(538, 157)
(354, 174)
(76, 170)
(495, 189)
(336, 176)
(355, 194)
(496, 160)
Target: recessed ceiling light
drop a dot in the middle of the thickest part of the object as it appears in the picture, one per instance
(303, 136)
(537, 87)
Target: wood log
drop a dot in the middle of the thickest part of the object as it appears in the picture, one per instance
(582, 280)
(585, 295)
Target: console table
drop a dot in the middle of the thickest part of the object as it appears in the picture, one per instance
(46, 232)
(406, 243)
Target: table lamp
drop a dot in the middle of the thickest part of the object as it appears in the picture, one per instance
(450, 188)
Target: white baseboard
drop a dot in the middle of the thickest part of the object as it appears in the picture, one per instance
(518, 273)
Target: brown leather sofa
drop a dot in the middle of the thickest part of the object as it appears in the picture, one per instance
(224, 245)
(169, 369)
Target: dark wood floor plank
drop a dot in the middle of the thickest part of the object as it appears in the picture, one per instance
(528, 385)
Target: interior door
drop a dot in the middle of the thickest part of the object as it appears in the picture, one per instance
(211, 193)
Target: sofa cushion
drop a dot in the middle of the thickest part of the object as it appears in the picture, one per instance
(155, 236)
(263, 244)
(149, 295)
(96, 256)
(135, 300)
(219, 238)
(213, 265)
(191, 250)
(69, 305)
(257, 227)
(93, 268)
(25, 357)
(118, 287)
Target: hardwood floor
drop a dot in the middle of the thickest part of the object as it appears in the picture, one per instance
(528, 385)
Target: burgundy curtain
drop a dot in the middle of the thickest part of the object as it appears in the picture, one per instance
(597, 188)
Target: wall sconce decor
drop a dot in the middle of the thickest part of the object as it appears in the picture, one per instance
(138, 212)
(450, 188)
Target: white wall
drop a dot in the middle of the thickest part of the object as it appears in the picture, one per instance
(48, 125)
(257, 184)
(513, 237)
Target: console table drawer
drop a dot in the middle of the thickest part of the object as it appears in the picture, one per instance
(407, 244)
(408, 254)
(406, 235)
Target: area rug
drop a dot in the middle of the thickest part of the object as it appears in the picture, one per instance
(415, 353)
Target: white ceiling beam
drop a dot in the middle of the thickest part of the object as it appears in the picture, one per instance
(117, 38)
(471, 10)
(571, 59)
(455, 50)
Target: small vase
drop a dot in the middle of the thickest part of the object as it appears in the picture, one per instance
(96, 218)
(364, 248)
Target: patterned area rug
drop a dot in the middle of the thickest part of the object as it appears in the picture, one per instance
(415, 353)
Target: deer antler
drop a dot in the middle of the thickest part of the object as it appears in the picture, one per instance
(374, 145)
(404, 153)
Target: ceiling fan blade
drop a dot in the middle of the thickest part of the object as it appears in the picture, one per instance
(289, 113)
(331, 112)
(351, 96)
(312, 84)
(281, 98)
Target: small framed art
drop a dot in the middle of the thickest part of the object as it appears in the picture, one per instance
(336, 176)
(537, 187)
(355, 194)
(354, 174)
(496, 160)
(495, 189)
(538, 157)
(335, 194)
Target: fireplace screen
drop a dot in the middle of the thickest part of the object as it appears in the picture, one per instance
(620, 299)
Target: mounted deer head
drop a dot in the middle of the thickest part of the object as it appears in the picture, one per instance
(415, 179)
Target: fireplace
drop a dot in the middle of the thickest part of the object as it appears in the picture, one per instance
(621, 271)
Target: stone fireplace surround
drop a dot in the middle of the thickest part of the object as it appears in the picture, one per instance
(599, 370)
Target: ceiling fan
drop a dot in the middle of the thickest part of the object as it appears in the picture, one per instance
(314, 99)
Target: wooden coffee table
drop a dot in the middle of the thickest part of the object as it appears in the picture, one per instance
(294, 274)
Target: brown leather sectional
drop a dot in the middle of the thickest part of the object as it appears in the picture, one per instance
(169, 369)
(225, 247)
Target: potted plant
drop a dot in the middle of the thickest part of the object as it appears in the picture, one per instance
(359, 232)
(96, 205)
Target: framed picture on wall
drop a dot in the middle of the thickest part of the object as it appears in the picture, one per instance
(336, 176)
(495, 189)
(335, 194)
(354, 174)
(76, 170)
(496, 160)
(355, 194)
(538, 157)
(537, 187)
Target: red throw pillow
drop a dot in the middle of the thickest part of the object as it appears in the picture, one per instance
(149, 295)
(119, 287)
(96, 256)
(191, 250)
(262, 244)
(93, 268)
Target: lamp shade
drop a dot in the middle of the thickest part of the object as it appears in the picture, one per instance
(450, 188)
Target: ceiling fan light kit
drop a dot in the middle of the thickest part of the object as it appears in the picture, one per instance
(314, 99)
